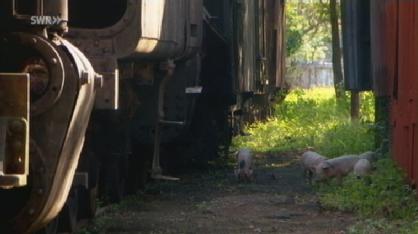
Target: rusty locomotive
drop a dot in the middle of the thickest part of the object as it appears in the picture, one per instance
(90, 91)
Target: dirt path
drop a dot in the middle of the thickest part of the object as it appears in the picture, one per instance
(279, 202)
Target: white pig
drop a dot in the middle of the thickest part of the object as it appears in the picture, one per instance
(244, 170)
(309, 162)
(336, 167)
(362, 168)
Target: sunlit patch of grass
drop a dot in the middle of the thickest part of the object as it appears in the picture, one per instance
(313, 118)
(279, 165)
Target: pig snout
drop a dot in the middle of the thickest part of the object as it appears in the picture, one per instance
(323, 171)
(244, 169)
(310, 160)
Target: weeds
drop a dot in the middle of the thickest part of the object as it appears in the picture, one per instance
(384, 195)
(313, 118)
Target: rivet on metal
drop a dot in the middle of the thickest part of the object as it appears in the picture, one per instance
(54, 61)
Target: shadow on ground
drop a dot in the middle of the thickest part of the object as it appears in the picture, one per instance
(278, 202)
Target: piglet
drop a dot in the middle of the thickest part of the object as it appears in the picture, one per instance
(244, 170)
(362, 168)
(309, 162)
(336, 167)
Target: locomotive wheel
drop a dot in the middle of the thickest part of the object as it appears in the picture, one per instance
(69, 214)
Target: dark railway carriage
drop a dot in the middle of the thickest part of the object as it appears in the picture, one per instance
(124, 78)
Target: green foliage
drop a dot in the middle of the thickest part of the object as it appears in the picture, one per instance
(384, 226)
(384, 194)
(308, 30)
(384, 202)
(313, 118)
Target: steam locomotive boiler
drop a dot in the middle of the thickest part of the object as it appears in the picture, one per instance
(93, 93)
(47, 93)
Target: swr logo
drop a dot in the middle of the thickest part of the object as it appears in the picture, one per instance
(45, 20)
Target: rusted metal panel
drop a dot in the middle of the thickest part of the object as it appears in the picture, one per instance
(280, 25)
(162, 27)
(272, 42)
(405, 87)
(145, 29)
(394, 27)
(152, 29)
(383, 49)
(356, 44)
(259, 43)
(194, 26)
(246, 41)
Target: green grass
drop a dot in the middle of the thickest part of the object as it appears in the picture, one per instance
(383, 195)
(313, 118)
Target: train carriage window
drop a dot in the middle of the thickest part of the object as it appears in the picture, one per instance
(95, 14)
(23, 7)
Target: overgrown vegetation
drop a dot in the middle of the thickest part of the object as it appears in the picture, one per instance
(383, 195)
(313, 118)
(384, 203)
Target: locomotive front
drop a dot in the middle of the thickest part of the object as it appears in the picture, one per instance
(47, 91)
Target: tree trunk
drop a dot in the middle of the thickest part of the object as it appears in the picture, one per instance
(336, 50)
(355, 105)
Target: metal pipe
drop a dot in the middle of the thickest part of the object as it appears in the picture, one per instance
(156, 172)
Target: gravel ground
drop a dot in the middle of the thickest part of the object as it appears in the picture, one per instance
(278, 201)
